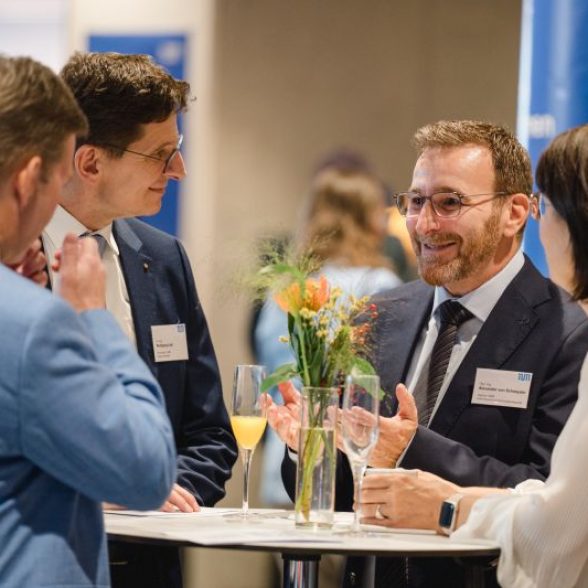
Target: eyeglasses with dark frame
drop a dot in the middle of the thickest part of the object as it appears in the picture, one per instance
(166, 162)
(444, 204)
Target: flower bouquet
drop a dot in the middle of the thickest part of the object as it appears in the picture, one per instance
(328, 342)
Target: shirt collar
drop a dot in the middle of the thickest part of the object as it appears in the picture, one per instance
(482, 300)
(63, 223)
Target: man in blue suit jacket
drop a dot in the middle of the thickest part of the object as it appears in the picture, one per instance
(83, 419)
(121, 171)
(465, 212)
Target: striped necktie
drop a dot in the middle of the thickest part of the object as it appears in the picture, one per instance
(100, 241)
(452, 315)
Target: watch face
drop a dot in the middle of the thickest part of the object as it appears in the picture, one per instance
(446, 514)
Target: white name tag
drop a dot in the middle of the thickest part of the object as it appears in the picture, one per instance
(502, 388)
(169, 342)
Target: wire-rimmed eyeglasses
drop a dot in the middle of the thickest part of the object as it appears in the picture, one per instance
(444, 204)
(165, 160)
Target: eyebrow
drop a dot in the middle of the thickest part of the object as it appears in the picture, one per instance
(170, 143)
(436, 190)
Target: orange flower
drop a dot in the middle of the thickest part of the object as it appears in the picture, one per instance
(316, 295)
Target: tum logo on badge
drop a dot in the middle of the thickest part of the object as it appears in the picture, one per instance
(524, 377)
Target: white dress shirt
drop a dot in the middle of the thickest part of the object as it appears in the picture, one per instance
(117, 296)
(542, 528)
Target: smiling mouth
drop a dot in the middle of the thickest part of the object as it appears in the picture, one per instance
(436, 247)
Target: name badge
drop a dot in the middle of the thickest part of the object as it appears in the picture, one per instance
(169, 342)
(502, 388)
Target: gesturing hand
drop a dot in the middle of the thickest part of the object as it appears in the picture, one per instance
(395, 432)
(285, 419)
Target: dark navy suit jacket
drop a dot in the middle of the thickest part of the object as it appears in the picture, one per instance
(162, 291)
(534, 327)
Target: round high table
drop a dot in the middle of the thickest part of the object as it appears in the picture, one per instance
(301, 549)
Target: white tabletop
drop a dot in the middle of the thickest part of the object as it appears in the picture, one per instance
(274, 530)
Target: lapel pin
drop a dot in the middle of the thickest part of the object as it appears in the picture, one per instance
(145, 267)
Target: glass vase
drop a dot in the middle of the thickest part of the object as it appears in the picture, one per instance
(317, 458)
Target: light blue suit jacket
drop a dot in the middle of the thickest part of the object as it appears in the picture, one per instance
(81, 421)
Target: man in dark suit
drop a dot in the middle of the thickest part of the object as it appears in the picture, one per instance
(510, 365)
(121, 171)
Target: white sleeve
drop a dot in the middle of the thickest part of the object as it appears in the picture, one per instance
(542, 529)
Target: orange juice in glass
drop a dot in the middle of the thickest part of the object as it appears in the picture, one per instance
(247, 418)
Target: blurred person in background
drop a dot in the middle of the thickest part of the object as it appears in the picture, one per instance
(83, 420)
(344, 226)
(121, 171)
(541, 526)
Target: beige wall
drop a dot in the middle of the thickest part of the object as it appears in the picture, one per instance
(280, 83)
(296, 79)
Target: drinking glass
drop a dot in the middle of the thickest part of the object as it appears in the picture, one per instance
(248, 418)
(359, 428)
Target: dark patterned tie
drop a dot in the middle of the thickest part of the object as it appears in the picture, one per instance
(452, 315)
(393, 572)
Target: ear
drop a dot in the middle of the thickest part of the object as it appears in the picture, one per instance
(518, 209)
(87, 160)
(27, 180)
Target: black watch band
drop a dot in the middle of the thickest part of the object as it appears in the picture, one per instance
(448, 513)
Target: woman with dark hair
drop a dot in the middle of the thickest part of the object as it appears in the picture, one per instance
(562, 179)
(541, 527)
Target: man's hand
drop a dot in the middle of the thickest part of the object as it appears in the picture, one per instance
(406, 500)
(395, 432)
(33, 265)
(285, 419)
(82, 278)
(180, 500)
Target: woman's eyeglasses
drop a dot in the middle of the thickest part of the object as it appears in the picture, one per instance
(539, 205)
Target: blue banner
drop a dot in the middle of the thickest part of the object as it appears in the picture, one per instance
(553, 82)
(169, 51)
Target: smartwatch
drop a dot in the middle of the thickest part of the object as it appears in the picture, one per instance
(448, 513)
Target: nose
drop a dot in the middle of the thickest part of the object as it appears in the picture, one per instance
(176, 170)
(426, 221)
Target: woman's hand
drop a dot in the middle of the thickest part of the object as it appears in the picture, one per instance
(405, 498)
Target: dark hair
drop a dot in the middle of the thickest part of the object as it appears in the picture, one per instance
(562, 175)
(119, 93)
(37, 114)
(512, 166)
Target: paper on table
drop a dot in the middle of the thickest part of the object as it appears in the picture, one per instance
(203, 512)
(388, 530)
(218, 536)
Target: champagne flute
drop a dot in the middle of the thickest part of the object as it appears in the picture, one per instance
(247, 418)
(359, 428)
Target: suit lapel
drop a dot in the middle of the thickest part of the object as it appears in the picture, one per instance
(138, 269)
(509, 324)
(403, 317)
